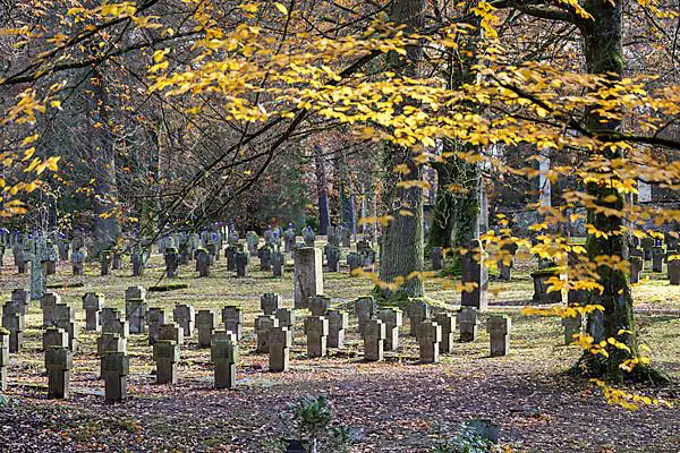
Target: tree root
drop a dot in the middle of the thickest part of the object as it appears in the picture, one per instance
(589, 366)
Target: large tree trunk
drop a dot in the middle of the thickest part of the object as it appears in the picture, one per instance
(106, 227)
(603, 49)
(441, 226)
(402, 241)
(455, 220)
(456, 214)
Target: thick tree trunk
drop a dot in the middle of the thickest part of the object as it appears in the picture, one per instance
(441, 226)
(402, 242)
(402, 250)
(455, 219)
(456, 215)
(603, 49)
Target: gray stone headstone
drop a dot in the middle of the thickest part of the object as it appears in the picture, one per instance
(185, 316)
(658, 255)
(166, 354)
(572, 325)
(499, 331)
(354, 262)
(280, 341)
(105, 262)
(286, 317)
(263, 326)
(155, 318)
(374, 340)
(93, 303)
(241, 264)
(59, 362)
(278, 262)
(115, 370)
(337, 323)
(4, 360)
(135, 313)
(204, 263)
(224, 355)
(468, 323)
(674, 269)
(429, 336)
(206, 323)
(308, 275)
(316, 329)
(364, 308)
(418, 311)
(333, 258)
(270, 302)
(232, 317)
(437, 258)
(171, 262)
(542, 295)
(447, 322)
(53, 336)
(392, 318)
(636, 266)
(13, 320)
(319, 304)
(265, 255)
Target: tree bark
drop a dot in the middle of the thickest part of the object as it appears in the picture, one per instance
(106, 227)
(456, 214)
(347, 199)
(602, 37)
(402, 250)
(322, 191)
(455, 219)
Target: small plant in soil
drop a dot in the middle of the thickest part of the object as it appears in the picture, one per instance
(312, 422)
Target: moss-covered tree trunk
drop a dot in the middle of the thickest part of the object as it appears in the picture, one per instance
(602, 37)
(402, 241)
(455, 216)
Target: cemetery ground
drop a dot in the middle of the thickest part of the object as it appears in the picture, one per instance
(396, 405)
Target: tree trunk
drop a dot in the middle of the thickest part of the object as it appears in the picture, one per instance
(402, 242)
(603, 49)
(455, 220)
(106, 227)
(456, 214)
(322, 191)
(441, 226)
(347, 200)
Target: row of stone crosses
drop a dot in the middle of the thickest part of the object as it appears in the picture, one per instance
(42, 253)
(275, 331)
(272, 254)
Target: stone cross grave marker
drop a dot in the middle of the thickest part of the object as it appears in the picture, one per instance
(280, 342)
(232, 317)
(392, 318)
(374, 340)
(316, 329)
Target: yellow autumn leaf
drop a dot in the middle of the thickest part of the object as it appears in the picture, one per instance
(30, 139)
(28, 154)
